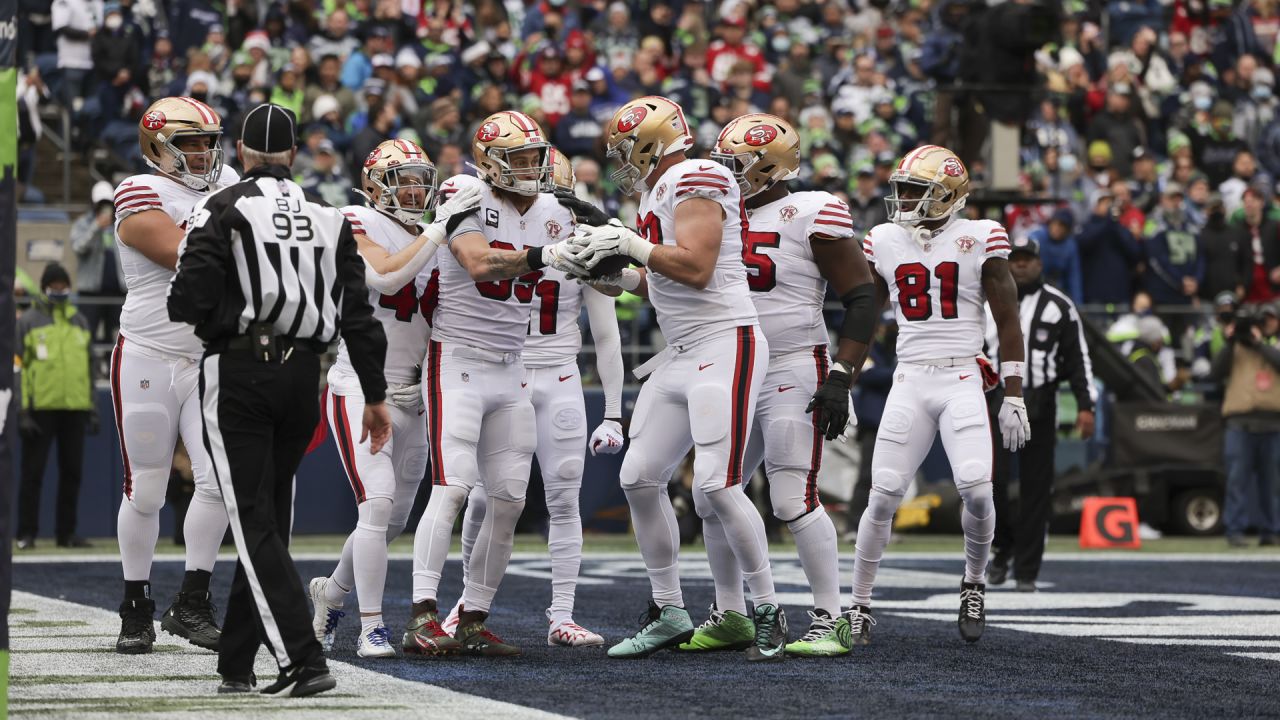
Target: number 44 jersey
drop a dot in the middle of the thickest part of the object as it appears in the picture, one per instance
(935, 285)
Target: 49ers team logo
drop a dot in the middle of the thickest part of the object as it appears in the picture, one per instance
(553, 229)
(632, 118)
(154, 120)
(488, 132)
(760, 135)
(373, 157)
(951, 167)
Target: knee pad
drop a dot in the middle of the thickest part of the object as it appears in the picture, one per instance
(149, 436)
(881, 506)
(977, 500)
(148, 491)
(375, 515)
(788, 493)
(641, 470)
(890, 482)
(971, 473)
(562, 503)
(804, 521)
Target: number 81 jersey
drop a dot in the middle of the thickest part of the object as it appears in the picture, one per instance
(936, 285)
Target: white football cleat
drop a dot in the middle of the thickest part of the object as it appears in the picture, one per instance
(375, 643)
(450, 624)
(570, 634)
(324, 616)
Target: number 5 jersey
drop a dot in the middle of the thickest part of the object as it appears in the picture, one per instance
(935, 284)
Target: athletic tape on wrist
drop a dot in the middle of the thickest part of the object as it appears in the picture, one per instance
(1012, 369)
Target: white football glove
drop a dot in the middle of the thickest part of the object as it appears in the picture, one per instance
(850, 427)
(563, 257)
(1015, 426)
(408, 397)
(603, 241)
(607, 439)
(463, 200)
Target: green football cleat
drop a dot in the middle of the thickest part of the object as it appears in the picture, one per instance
(771, 634)
(660, 629)
(728, 630)
(827, 637)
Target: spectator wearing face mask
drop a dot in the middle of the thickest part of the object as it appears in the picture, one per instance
(1215, 148)
(57, 401)
(1109, 254)
(1226, 254)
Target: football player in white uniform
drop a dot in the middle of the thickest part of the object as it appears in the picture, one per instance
(937, 268)
(705, 384)
(399, 183)
(155, 371)
(794, 244)
(555, 387)
(480, 422)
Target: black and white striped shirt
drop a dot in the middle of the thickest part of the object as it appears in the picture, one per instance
(262, 251)
(1055, 346)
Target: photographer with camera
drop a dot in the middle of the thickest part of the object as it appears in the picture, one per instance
(1248, 367)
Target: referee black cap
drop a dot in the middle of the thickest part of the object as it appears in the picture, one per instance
(269, 129)
(1025, 245)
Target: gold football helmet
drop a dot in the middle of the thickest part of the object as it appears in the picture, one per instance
(760, 150)
(640, 134)
(171, 119)
(930, 183)
(399, 179)
(502, 134)
(562, 171)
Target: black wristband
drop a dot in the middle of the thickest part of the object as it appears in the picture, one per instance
(534, 258)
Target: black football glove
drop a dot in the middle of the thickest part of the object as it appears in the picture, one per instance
(583, 211)
(831, 402)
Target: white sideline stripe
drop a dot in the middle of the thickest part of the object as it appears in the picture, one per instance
(889, 560)
(1258, 655)
(210, 371)
(381, 696)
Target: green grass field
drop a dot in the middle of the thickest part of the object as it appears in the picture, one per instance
(903, 542)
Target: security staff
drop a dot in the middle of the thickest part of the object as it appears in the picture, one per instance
(269, 278)
(1056, 351)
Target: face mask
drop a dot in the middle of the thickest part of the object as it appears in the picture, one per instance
(1067, 163)
(57, 296)
(1203, 103)
(113, 22)
(202, 97)
(1262, 92)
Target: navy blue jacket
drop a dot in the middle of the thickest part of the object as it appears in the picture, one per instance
(873, 385)
(1108, 257)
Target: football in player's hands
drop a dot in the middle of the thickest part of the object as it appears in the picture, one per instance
(608, 249)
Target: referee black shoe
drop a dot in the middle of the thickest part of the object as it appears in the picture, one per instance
(191, 617)
(997, 570)
(137, 627)
(234, 685)
(973, 611)
(301, 681)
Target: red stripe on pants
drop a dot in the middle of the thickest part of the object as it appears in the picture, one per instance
(117, 402)
(740, 410)
(815, 460)
(435, 414)
(346, 447)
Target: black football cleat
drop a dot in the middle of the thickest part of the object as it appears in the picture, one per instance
(137, 627)
(192, 617)
(973, 611)
(236, 685)
(301, 681)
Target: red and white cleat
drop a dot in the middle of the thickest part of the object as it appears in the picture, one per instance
(568, 633)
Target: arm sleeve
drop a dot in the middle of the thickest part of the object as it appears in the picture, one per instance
(1073, 354)
(198, 284)
(604, 330)
(366, 342)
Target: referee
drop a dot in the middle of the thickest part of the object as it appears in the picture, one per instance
(1056, 351)
(269, 278)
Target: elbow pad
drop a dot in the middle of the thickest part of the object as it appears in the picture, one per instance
(859, 314)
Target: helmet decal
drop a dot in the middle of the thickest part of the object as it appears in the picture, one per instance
(373, 157)
(760, 135)
(153, 120)
(952, 167)
(488, 132)
(632, 118)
